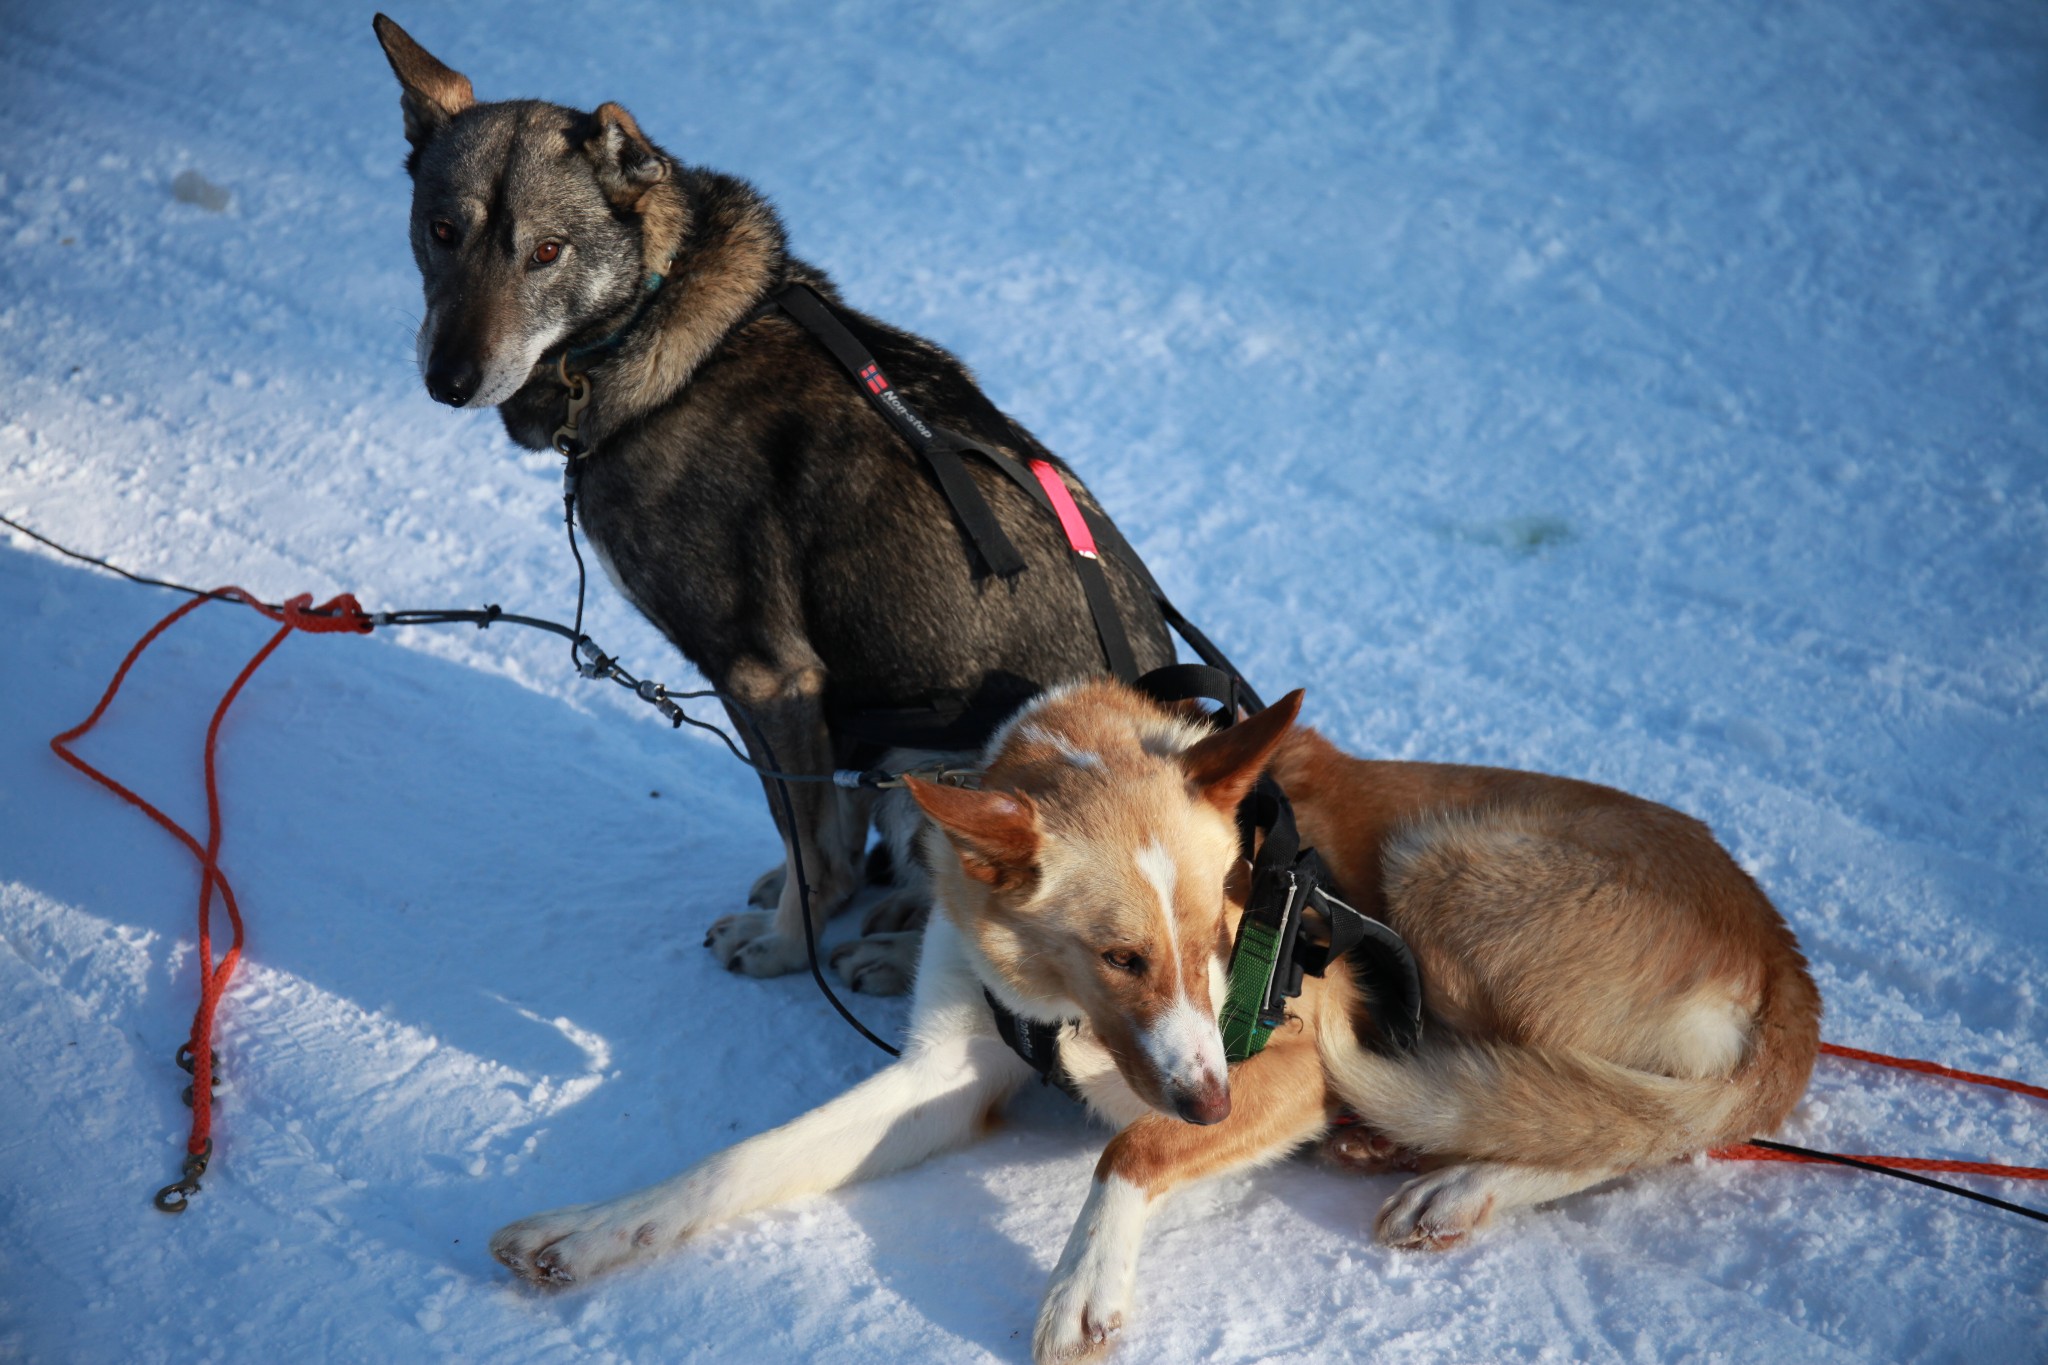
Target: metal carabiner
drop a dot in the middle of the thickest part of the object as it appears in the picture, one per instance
(173, 1197)
(568, 442)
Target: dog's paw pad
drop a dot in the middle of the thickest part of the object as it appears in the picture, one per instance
(1358, 1148)
(896, 913)
(529, 1249)
(550, 1268)
(747, 943)
(566, 1247)
(1085, 1305)
(1091, 1335)
(1437, 1211)
(729, 933)
(884, 965)
(767, 888)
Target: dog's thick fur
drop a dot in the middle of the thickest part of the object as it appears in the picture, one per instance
(741, 493)
(1605, 989)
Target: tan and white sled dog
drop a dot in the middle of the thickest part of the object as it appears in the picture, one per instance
(1604, 989)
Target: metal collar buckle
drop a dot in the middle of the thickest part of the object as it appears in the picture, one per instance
(568, 437)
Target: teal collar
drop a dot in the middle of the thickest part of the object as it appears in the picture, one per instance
(603, 349)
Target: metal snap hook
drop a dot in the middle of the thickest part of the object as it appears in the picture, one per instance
(173, 1197)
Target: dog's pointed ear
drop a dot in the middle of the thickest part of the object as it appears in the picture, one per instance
(995, 833)
(432, 94)
(1223, 766)
(626, 163)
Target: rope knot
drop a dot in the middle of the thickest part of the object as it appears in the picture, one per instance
(338, 614)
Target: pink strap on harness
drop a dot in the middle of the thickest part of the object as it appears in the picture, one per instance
(1078, 537)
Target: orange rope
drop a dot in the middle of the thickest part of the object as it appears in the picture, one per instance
(1743, 1151)
(339, 614)
(1933, 1069)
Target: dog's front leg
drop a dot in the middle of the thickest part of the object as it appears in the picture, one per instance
(1277, 1104)
(936, 1097)
(783, 707)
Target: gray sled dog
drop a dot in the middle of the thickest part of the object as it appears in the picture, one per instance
(739, 490)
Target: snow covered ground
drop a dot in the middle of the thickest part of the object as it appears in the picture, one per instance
(1649, 392)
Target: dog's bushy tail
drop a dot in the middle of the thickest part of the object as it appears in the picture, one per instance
(1499, 1102)
(1493, 1101)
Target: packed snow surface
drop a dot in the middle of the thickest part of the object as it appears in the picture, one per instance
(1652, 393)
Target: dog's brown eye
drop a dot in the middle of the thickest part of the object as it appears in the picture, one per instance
(545, 253)
(1124, 961)
(444, 231)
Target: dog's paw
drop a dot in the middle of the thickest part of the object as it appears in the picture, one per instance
(567, 1246)
(1435, 1212)
(1358, 1148)
(767, 888)
(1090, 1294)
(883, 965)
(1077, 1322)
(748, 943)
(900, 911)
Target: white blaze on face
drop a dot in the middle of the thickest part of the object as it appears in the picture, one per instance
(512, 365)
(1085, 759)
(1157, 867)
(504, 373)
(1184, 1043)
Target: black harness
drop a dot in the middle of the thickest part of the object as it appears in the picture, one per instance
(1037, 1042)
(943, 452)
(1294, 926)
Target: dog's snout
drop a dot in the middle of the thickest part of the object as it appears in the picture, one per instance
(1207, 1103)
(453, 382)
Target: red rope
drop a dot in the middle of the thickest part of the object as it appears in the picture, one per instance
(338, 614)
(1934, 1069)
(1745, 1152)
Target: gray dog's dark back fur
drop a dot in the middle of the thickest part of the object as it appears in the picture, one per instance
(741, 491)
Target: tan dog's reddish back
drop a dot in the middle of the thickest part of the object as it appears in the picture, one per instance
(1605, 987)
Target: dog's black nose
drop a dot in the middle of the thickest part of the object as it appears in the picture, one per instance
(453, 382)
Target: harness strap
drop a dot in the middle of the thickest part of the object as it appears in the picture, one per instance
(1272, 952)
(1263, 972)
(1294, 927)
(942, 449)
(1088, 531)
(1037, 1042)
(1109, 622)
(1104, 535)
(1201, 682)
(1107, 534)
(938, 448)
